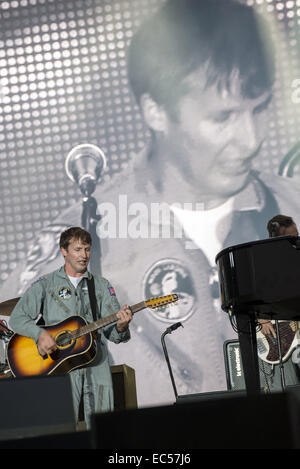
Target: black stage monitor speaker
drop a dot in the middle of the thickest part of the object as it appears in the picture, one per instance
(36, 406)
(204, 396)
(243, 422)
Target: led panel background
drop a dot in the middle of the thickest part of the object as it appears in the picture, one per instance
(64, 82)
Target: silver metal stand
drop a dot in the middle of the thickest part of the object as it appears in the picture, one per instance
(169, 330)
(283, 385)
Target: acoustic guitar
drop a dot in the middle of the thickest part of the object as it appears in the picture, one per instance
(74, 338)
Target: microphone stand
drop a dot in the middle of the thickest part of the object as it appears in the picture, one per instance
(274, 233)
(283, 386)
(83, 166)
(169, 330)
(89, 220)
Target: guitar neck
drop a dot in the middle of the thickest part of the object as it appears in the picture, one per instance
(105, 321)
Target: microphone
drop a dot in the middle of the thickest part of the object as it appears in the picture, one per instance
(84, 165)
(172, 328)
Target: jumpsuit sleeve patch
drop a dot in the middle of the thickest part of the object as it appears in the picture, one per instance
(111, 291)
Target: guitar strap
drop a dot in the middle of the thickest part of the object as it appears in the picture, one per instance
(92, 295)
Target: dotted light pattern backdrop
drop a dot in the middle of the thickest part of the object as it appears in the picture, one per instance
(64, 82)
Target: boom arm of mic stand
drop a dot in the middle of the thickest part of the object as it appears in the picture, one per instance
(168, 331)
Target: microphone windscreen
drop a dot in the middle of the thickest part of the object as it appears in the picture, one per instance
(84, 165)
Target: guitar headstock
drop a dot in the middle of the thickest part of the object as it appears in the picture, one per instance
(160, 301)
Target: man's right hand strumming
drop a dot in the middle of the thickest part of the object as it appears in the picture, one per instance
(46, 344)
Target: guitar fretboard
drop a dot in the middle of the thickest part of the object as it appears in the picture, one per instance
(105, 321)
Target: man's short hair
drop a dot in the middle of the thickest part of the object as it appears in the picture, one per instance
(221, 36)
(282, 220)
(74, 232)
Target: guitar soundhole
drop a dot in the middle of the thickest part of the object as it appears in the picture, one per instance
(64, 339)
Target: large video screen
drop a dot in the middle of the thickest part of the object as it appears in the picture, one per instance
(200, 127)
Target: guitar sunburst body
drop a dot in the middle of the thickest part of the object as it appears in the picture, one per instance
(25, 360)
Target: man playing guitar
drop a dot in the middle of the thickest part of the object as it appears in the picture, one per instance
(63, 293)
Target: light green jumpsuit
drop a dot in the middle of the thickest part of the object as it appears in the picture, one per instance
(61, 300)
